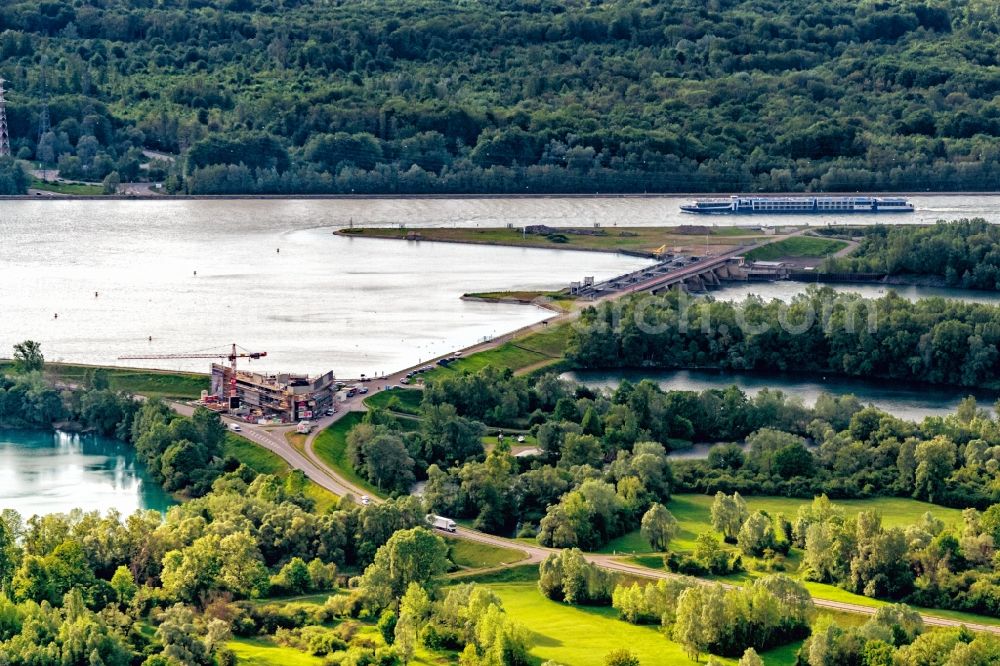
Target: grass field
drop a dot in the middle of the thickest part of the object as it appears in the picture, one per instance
(152, 383)
(529, 351)
(635, 239)
(475, 555)
(582, 636)
(260, 652)
(554, 299)
(331, 448)
(797, 247)
(264, 652)
(693, 514)
(407, 401)
(263, 461)
(255, 457)
(66, 188)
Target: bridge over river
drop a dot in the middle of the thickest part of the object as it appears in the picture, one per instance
(676, 272)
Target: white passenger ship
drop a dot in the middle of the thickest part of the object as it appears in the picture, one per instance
(737, 205)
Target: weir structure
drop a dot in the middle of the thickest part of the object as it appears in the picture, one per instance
(674, 272)
(4, 135)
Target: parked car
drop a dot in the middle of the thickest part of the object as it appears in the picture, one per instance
(365, 500)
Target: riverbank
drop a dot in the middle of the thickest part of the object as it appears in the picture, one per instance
(554, 301)
(638, 241)
(508, 195)
(801, 251)
(150, 382)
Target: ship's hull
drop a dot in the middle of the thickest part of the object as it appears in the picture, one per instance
(804, 211)
(741, 205)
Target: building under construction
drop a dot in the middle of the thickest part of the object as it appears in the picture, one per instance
(289, 397)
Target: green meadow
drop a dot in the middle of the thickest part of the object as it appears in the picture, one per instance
(404, 401)
(530, 351)
(582, 635)
(693, 514)
(263, 461)
(151, 383)
(331, 447)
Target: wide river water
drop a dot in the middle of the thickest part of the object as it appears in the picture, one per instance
(905, 401)
(49, 472)
(196, 275)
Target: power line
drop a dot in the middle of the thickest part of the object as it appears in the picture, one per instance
(44, 123)
(4, 135)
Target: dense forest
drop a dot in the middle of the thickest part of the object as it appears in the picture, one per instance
(114, 590)
(521, 96)
(931, 340)
(176, 589)
(963, 253)
(602, 471)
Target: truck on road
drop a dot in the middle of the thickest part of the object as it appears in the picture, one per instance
(441, 523)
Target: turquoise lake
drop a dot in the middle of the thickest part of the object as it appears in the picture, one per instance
(52, 472)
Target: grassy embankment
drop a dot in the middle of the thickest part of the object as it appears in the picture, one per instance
(76, 189)
(635, 239)
(534, 350)
(331, 448)
(474, 555)
(263, 461)
(797, 247)
(150, 383)
(557, 300)
(693, 514)
(403, 401)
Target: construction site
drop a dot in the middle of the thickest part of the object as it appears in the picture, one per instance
(259, 396)
(285, 397)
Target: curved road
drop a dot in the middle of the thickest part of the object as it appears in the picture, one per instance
(273, 439)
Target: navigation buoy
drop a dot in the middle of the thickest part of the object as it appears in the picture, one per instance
(278, 250)
(196, 272)
(151, 338)
(55, 316)
(95, 294)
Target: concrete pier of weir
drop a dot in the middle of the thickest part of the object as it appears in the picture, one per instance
(690, 273)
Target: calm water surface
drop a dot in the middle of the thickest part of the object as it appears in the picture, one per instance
(907, 401)
(498, 212)
(322, 302)
(197, 275)
(50, 472)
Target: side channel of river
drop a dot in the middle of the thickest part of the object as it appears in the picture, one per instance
(52, 472)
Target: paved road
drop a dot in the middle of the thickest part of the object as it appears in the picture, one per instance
(273, 439)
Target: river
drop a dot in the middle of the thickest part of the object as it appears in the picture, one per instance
(95, 280)
(460, 212)
(197, 275)
(907, 401)
(48, 472)
(92, 280)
